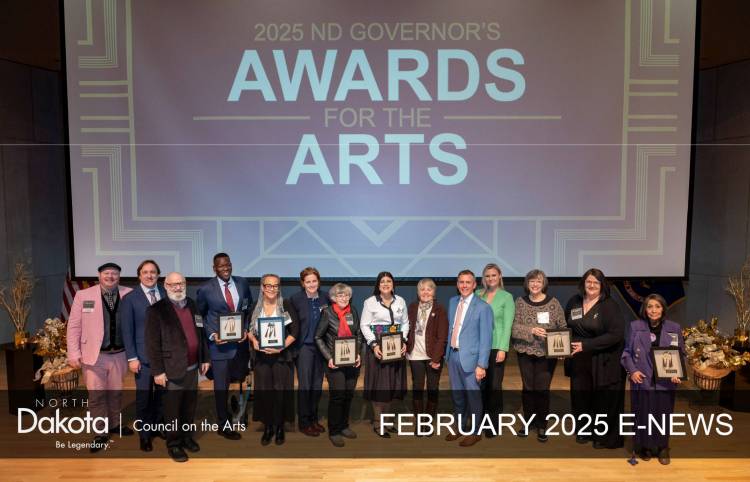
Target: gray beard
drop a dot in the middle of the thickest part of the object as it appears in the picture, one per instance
(178, 299)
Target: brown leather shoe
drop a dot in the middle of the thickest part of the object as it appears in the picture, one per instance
(310, 431)
(452, 437)
(470, 440)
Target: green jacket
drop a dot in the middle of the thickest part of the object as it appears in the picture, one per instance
(504, 310)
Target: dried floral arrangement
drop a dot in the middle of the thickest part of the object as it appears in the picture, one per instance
(739, 287)
(707, 348)
(18, 305)
(51, 345)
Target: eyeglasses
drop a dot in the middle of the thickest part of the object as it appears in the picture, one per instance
(175, 285)
(342, 295)
(271, 287)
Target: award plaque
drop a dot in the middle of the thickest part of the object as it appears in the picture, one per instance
(558, 343)
(271, 332)
(345, 351)
(230, 326)
(668, 363)
(390, 347)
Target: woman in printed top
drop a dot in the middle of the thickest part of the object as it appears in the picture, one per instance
(339, 320)
(274, 375)
(535, 314)
(501, 302)
(384, 312)
(425, 345)
(649, 396)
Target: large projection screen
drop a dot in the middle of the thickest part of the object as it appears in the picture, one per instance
(420, 137)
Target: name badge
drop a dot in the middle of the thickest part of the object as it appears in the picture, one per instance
(674, 341)
(88, 306)
(244, 305)
(542, 318)
(349, 319)
(287, 318)
(576, 313)
(199, 321)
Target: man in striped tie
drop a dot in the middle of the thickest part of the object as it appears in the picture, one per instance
(147, 397)
(469, 345)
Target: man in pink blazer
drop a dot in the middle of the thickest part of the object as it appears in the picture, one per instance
(95, 344)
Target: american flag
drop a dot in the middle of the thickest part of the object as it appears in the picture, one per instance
(69, 292)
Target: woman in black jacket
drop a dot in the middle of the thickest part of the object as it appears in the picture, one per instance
(339, 320)
(597, 380)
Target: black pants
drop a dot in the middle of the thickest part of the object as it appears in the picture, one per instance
(274, 395)
(536, 376)
(309, 364)
(180, 399)
(341, 384)
(148, 403)
(421, 370)
(492, 386)
(588, 398)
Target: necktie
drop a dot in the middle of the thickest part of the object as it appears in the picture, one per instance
(228, 296)
(152, 296)
(459, 311)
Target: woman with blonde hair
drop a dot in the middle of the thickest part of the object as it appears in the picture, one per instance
(503, 310)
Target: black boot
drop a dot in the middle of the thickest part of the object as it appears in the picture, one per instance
(280, 435)
(267, 435)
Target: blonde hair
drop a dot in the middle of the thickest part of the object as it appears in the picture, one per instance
(499, 271)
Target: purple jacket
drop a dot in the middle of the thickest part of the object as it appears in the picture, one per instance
(637, 353)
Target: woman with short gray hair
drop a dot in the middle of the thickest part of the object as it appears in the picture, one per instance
(425, 346)
(339, 320)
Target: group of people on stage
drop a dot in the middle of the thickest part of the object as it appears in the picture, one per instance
(167, 339)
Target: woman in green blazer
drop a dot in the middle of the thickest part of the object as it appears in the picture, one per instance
(503, 310)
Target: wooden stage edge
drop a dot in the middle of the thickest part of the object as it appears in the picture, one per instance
(374, 469)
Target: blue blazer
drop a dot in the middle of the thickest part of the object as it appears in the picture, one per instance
(475, 339)
(300, 306)
(211, 303)
(133, 313)
(637, 353)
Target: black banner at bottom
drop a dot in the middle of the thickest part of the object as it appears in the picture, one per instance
(78, 425)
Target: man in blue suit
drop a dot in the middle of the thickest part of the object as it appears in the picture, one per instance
(469, 345)
(133, 311)
(219, 296)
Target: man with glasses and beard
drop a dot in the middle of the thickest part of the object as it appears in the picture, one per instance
(178, 351)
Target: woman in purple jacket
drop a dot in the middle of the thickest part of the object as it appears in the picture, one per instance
(649, 396)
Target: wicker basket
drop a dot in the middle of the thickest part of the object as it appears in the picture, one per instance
(64, 381)
(709, 378)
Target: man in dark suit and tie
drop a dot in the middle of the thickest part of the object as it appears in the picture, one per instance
(178, 352)
(133, 312)
(469, 345)
(216, 297)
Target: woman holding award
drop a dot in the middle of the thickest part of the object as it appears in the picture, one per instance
(385, 327)
(501, 302)
(649, 394)
(536, 313)
(273, 328)
(597, 380)
(338, 337)
(425, 346)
